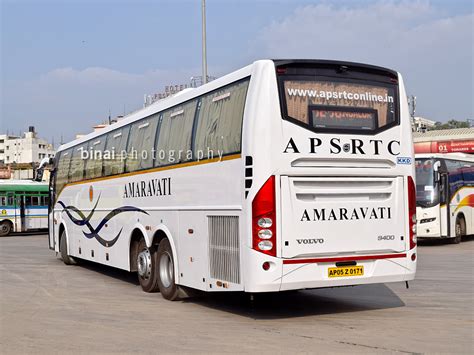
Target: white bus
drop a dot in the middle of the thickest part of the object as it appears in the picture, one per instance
(445, 195)
(283, 175)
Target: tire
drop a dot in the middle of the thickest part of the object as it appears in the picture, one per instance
(5, 228)
(67, 259)
(147, 269)
(460, 230)
(168, 288)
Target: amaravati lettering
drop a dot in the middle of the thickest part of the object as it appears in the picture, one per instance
(153, 187)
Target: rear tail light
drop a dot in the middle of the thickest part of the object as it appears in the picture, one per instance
(412, 211)
(263, 219)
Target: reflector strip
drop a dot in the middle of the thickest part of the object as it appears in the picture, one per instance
(343, 258)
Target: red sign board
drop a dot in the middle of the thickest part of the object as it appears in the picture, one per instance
(445, 147)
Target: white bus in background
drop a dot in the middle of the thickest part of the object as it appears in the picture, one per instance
(445, 195)
(282, 175)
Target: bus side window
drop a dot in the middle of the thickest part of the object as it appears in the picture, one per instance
(141, 143)
(455, 176)
(76, 171)
(45, 201)
(28, 201)
(219, 125)
(116, 150)
(35, 200)
(10, 201)
(62, 171)
(175, 134)
(3, 201)
(93, 165)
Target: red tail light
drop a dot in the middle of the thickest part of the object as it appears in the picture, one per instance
(264, 219)
(412, 211)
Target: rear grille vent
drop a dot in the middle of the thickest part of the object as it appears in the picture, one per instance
(224, 250)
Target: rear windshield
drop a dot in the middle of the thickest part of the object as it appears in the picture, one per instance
(335, 104)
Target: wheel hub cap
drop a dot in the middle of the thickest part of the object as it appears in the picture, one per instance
(144, 264)
(166, 270)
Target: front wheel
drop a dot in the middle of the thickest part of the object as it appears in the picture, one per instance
(5, 228)
(460, 230)
(168, 288)
(67, 259)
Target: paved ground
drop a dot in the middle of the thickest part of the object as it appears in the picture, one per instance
(48, 307)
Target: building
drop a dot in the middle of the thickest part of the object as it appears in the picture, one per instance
(3, 139)
(421, 124)
(458, 140)
(28, 149)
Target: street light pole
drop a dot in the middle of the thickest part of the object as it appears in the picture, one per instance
(204, 55)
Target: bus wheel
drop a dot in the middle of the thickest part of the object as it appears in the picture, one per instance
(460, 230)
(67, 259)
(5, 228)
(146, 267)
(168, 288)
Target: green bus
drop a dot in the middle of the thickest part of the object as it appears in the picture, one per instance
(23, 206)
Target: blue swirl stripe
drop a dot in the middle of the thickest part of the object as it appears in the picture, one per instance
(94, 232)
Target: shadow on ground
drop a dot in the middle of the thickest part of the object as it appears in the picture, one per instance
(435, 241)
(291, 304)
(280, 305)
(108, 271)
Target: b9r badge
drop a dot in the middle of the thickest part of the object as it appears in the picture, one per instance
(386, 237)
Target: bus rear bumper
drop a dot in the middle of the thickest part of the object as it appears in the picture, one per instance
(316, 276)
(308, 275)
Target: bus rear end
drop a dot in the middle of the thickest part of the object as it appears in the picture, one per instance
(332, 201)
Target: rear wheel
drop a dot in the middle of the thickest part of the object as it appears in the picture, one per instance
(168, 288)
(460, 230)
(5, 228)
(147, 267)
(67, 259)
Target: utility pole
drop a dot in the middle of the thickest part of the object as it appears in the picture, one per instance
(204, 55)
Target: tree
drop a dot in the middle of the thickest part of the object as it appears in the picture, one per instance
(451, 124)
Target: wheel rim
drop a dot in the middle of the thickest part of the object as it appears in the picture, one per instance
(166, 269)
(144, 264)
(3, 228)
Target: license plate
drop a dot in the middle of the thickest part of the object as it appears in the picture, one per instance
(346, 271)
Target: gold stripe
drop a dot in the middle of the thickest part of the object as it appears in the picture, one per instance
(152, 170)
(457, 191)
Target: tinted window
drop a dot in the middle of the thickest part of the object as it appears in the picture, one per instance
(141, 143)
(175, 133)
(63, 169)
(95, 151)
(76, 171)
(219, 125)
(116, 151)
(35, 200)
(334, 104)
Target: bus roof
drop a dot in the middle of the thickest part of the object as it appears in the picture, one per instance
(23, 185)
(451, 156)
(164, 104)
(186, 95)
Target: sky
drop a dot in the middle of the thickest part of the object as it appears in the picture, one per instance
(66, 64)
